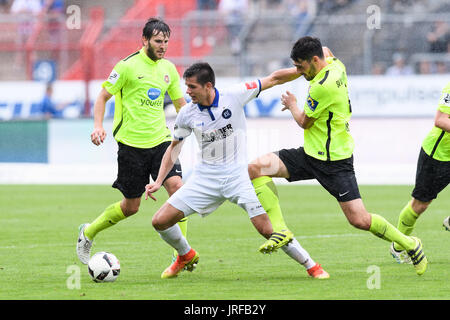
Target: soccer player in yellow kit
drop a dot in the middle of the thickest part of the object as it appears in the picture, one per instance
(139, 83)
(432, 176)
(327, 154)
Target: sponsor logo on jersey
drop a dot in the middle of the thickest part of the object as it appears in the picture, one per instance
(113, 77)
(312, 104)
(166, 78)
(251, 85)
(226, 114)
(219, 134)
(153, 93)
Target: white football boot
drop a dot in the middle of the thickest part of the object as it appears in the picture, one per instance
(83, 245)
(446, 223)
(400, 256)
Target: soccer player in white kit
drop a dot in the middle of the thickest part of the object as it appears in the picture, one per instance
(218, 122)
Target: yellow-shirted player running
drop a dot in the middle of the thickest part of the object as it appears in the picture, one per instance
(139, 83)
(432, 176)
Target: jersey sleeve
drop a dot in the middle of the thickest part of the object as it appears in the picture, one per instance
(444, 100)
(316, 102)
(336, 62)
(182, 128)
(116, 79)
(174, 89)
(246, 91)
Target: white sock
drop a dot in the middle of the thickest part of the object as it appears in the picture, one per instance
(294, 250)
(175, 238)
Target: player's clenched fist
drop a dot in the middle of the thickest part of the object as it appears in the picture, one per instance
(98, 136)
(288, 100)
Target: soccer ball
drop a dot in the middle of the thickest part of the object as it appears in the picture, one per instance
(104, 267)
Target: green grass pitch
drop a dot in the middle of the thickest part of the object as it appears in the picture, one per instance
(38, 261)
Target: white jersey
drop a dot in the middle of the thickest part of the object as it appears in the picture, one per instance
(221, 133)
(220, 129)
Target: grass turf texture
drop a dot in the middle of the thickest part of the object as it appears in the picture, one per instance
(39, 226)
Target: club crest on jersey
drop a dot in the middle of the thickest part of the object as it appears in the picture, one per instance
(251, 85)
(446, 99)
(226, 114)
(312, 104)
(153, 93)
(166, 78)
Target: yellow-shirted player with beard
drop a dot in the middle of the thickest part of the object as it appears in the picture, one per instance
(139, 83)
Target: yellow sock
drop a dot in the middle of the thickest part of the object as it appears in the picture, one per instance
(268, 196)
(108, 218)
(406, 222)
(384, 230)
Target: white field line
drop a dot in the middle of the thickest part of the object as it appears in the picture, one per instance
(318, 236)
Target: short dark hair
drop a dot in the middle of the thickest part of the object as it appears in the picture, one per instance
(154, 26)
(307, 47)
(203, 72)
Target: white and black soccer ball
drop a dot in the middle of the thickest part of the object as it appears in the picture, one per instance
(104, 267)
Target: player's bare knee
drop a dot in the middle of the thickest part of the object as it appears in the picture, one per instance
(359, 222)
(253, 170)
(158, 223)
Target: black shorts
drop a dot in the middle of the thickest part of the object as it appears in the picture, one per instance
(337, 177)
(432, 176)
(135, 165)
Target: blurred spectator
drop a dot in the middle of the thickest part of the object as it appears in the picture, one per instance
(48, 109)
(26, 11)
(234, 12)
(300, 11)
(206, 4)
(327, 6)
(55, 7)
(55, 10)
(439, 37)
(274, 3)
(411, 6)
(27, 7)
(399, 68)
(378, 68)
(441, 67)
(425, 67)
(4, 6)
(400, 5)
(206, 24)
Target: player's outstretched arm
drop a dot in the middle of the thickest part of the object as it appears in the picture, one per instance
(98, 135)
(442, 121)
(289, 101)
(279, 77)
(167, 162)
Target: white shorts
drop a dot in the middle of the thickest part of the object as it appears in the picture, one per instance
(205, 193)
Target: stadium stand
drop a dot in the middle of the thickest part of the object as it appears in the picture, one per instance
(270, 27)
(124, 37)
